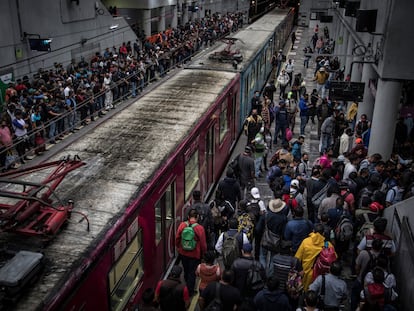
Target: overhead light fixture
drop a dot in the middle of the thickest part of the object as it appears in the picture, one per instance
(113, 27)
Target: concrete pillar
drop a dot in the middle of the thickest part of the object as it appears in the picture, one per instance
(340, 38)
(349, 58)
(184, 14)
(356, 69)
(146, 17)
(174, 20)
(161, 22)
(387, 102)
(338, 30)
(367, 107)
(345, 36)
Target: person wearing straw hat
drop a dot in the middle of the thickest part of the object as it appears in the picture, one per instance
(274, 221)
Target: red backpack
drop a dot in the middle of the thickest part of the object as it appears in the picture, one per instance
(324, 260)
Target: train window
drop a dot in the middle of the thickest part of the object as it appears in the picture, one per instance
(252, 77)
(268, 55)
(191, 175)
(262, 63)
(158, 223)
(223, 123)
(164, 206)
(169, 206)
(125, 274)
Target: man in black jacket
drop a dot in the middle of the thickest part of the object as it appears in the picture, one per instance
(229, 188)
(241, 267)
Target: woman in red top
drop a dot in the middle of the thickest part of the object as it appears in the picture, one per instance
(207, 271)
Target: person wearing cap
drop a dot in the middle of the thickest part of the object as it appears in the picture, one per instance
(275, 220)
(307, 252)
(241, 267)
(321, 77)
(171, 294)
(283, 80)
(255, 199)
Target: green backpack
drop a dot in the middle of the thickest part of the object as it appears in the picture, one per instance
(188, 241)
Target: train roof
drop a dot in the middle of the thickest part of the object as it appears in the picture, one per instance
(248, 41)
(121, 156)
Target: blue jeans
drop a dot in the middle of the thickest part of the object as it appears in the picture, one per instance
(326, 141)
(282, 129)
(264, 253)
(303, 122)
(99, 103)
(133, 88)
(52, 130)
(257, 165)
(72, 119)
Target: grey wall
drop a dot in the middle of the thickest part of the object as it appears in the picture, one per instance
(66, 23)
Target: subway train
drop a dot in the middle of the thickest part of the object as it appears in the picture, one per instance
(92, 232)
(256, 43)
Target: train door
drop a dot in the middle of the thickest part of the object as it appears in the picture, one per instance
(210, 138)
(165, 226)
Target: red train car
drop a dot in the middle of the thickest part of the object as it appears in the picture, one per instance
(141, 168)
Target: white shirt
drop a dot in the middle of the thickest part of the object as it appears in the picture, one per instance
(349, 168)
(20, 132)
(66, 91)
(289, 67)
(219, 244)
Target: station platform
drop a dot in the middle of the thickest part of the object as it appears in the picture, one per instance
(311, 144)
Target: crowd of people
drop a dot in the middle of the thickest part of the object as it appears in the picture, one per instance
(57, 100)
(289, 253)
(325, 216)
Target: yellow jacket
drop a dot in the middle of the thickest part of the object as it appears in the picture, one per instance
(307, 252)
(321, 77)
(352, 111)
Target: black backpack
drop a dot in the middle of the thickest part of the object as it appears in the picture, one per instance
(234, 165)
(254, 209)
(171, 292)
(215, 304)
(205, 217)
(254, 280)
